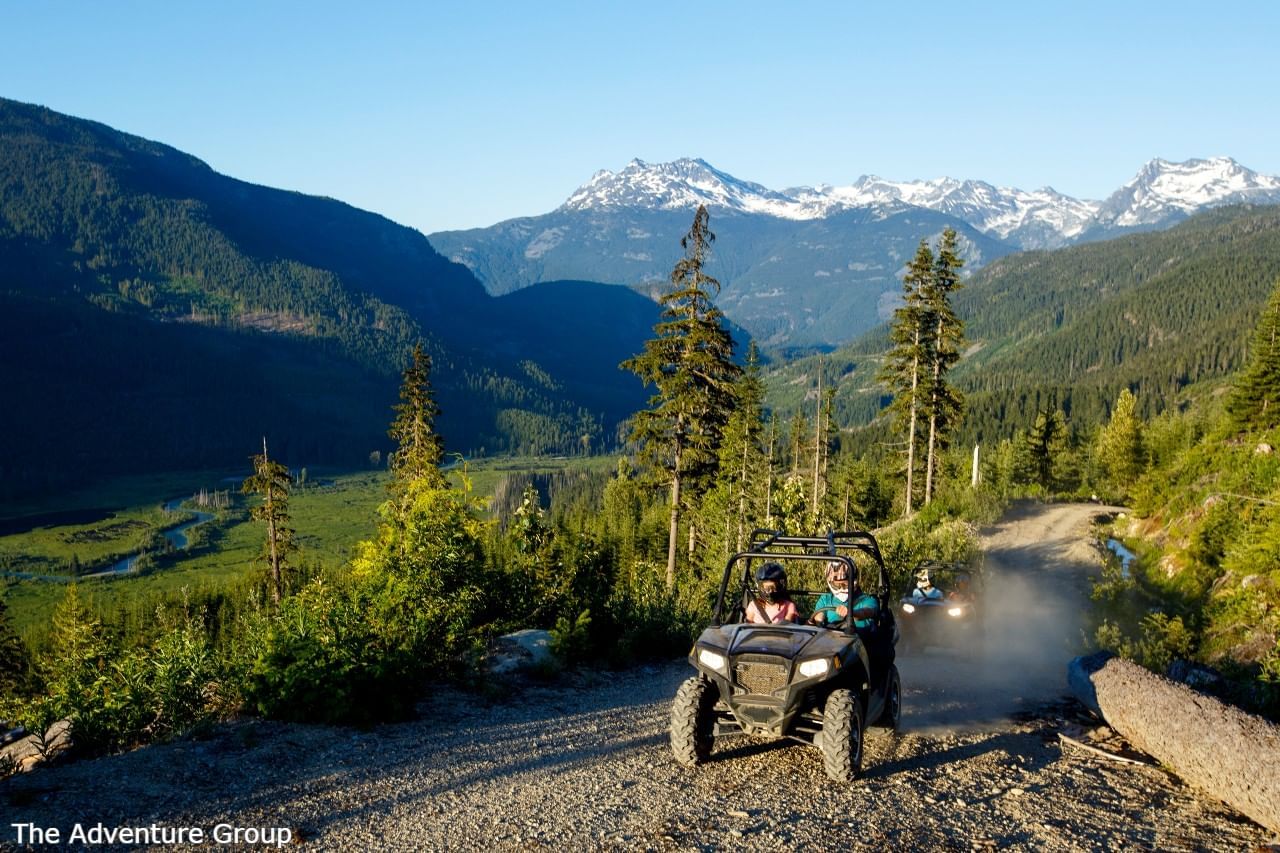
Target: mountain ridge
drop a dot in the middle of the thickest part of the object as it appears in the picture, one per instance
(827, 259)
(1164, 188)
(182, 314)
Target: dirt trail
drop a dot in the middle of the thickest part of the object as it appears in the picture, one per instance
(586, 766)
(1039, 559)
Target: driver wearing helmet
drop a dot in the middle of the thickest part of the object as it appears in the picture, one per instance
(845, 594)
(774, 603)
(924, 587)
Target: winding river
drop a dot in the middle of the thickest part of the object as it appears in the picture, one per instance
(176, 535)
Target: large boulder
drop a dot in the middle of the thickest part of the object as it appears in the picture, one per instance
(523, 650)
(1230, 754)
(25, 753)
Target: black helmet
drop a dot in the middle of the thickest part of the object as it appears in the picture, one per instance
(772, 572)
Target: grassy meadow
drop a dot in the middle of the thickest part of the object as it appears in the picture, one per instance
(331, 514)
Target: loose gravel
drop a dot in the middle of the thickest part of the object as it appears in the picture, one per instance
(584, 764)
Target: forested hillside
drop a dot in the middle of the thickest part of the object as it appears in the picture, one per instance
(156, 314)
(1153, 312)
(787, 282)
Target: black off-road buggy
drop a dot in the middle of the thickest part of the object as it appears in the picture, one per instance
(816, 685)
(955, 619)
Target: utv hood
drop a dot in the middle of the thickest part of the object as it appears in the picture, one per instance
(789, 642)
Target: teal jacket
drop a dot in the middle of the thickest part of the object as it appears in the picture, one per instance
(864, 605)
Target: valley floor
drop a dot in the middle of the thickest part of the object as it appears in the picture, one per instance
(977, 764)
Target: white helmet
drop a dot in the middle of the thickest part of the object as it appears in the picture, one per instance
(839, 579)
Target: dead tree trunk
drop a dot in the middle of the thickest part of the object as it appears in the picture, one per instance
(1218, 748)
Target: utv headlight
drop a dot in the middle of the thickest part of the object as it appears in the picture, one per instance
(955, 611)
(815, 667)
(711, 660)
(908, 608)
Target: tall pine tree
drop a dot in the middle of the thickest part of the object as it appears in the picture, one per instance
(1120, 446)
(1255, 397)
(14, 661)
(942, 402)
(271, 480)
(907, 364)
(690, 363)
(1042, 450)
(419, 448)
(735, 503)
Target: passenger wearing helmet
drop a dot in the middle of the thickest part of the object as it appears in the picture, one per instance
(963, 590)
(774, 603)
(845, 594)
(925, 588)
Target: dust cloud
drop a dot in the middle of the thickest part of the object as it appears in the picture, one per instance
(1039, 561)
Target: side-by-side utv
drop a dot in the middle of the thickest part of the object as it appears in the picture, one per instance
(951, 617)
(818, 685)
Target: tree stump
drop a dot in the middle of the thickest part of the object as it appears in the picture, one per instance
(1218, 748)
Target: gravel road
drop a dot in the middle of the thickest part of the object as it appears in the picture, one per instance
(585, 765)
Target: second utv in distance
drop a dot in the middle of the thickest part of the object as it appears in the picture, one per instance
(944, 608)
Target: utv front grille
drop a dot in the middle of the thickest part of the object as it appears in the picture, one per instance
(760, 678)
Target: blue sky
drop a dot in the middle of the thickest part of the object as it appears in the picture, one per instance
(460, 115)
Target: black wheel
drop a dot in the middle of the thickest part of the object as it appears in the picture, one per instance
(891, 716)
(841, 738)
(693, 721)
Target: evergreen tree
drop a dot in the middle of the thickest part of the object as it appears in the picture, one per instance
(798, 447)
(271, 480)
(419, 448)
(906, 365)
(536, 566)
(821, 449)
(943, 402)
(14, 661)
(859, 496)
(770, 456)
(690, 362)
(624, 506)
(1255, 396)
(1042, 450)
(735, 503)
(1121, 451)
(75, 671)
(421, 579)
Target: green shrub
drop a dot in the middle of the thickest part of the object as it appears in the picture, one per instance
(117, 696)
(186, 679)
(1111, 637)
(321, 661)
(571, 639)
(1164, 639)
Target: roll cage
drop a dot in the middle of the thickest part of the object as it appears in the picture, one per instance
(775, 545)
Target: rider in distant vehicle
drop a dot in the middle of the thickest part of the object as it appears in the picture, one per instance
(845, 593)
(963, 590)
(774, 603)
(925, 588)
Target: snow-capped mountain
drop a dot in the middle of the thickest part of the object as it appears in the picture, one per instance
(818, 265)
(1044, 218)
(680, 185)
(1162, 192)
